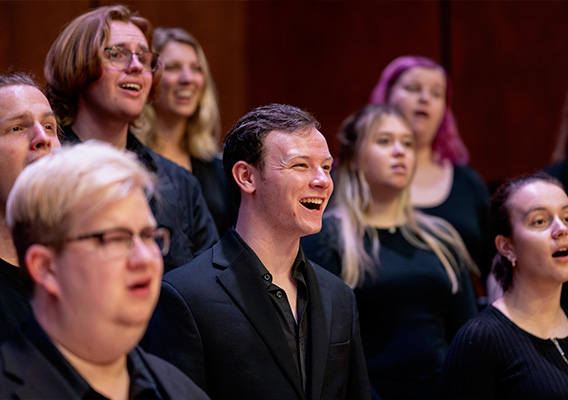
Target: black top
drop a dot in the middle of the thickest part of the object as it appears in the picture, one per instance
(178, 204)
(467, 209)
(14, 304)
(142, 385)
(33, 367)
(408, 313)
(296, 332)
(217, 322)
(216, 191)
(492, 358)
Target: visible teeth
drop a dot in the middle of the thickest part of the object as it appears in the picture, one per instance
(131, 86)
(312, 200)
(185, 93)
(561, 252)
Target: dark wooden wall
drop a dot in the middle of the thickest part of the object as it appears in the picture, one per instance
(508, 59)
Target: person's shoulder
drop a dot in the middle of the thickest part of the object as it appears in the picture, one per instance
(558, 169)
(330, 280)
(199, 269)
(467, 174)
(175, 382)
(170, 168)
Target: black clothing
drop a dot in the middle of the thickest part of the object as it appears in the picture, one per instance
(407, 310)
(216, 191)
(467, 209)
(32, 367)
(492, 358)
(296, 333)
(215, 320)
(14, 304)
(178, 204)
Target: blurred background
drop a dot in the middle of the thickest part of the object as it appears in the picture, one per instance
(508, 60)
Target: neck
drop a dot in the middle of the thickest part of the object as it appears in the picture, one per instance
(424, 157)
(385, 210)
(7, 249)
(89, 125)
(172, 129)
(276, 252)
(536, 310)
(110, 379)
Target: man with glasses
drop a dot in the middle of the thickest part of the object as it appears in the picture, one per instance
(28, 131)
(92, 257)
(100, 73)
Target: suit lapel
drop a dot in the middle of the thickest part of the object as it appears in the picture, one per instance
(242, 282)
(320, 310)
(39, 377)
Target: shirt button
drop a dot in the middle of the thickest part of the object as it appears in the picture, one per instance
(267, 277)
(279, 294)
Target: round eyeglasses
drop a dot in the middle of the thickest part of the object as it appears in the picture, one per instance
(121, 57)
(118, 242)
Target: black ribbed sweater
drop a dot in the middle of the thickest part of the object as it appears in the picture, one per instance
(492, 358)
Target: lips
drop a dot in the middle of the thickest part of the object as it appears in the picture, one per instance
(140, 286)
(560, 252)
(185, 94)
(312, 203)
(421, 114)
(399, 168)
(131, 86)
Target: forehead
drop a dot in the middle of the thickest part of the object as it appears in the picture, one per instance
(123, 33)
(391, 123)
(307, 142)
(20, 99)
(178, 50)
(537, 195)
(423, 74)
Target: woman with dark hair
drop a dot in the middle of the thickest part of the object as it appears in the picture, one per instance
(183, 124)
(443, 185)
(409, 270)
(515, 349)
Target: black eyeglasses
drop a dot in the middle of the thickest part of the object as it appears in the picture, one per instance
(118, 242)
(121, 57)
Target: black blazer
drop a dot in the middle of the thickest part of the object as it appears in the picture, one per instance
(215, 321)
(27, 374)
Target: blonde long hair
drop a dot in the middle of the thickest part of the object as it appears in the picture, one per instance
(203, 128)
(353, 198)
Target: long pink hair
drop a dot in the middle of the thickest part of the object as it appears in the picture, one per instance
(447, 144)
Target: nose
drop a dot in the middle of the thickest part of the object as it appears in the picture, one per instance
(185, 75)
(142, 255)
(135, 64)
(424, 95)
(398, 148)
(559, 228)
(40, 139)
(322, 179)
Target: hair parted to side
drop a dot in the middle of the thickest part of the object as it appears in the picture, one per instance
(500, 216)
(81, 179)
(245, 140)
(75, 58)
(203, 128)
(18, 79)
(447, 144)
(353, 199)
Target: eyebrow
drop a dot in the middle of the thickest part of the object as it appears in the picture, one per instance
(123, 44)
(531, 210)
(27, 114)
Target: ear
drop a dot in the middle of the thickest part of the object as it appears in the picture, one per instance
(40, 262)
(244, 175)
(504, 246)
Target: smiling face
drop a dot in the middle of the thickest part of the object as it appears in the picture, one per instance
(420, 95)
(102, 292)
(120, 93)
(28, 131)
(294, 186)
(388, 156)
(182, 82)
(539, 237)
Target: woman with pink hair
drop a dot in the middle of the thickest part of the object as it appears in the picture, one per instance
(443, 185)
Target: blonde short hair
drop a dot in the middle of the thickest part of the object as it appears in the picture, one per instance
(81, 179)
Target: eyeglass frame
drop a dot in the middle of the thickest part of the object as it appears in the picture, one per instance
(132, 53)
(130, 242)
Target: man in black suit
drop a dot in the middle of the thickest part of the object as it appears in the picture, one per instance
(91, 255)
(252, 318)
